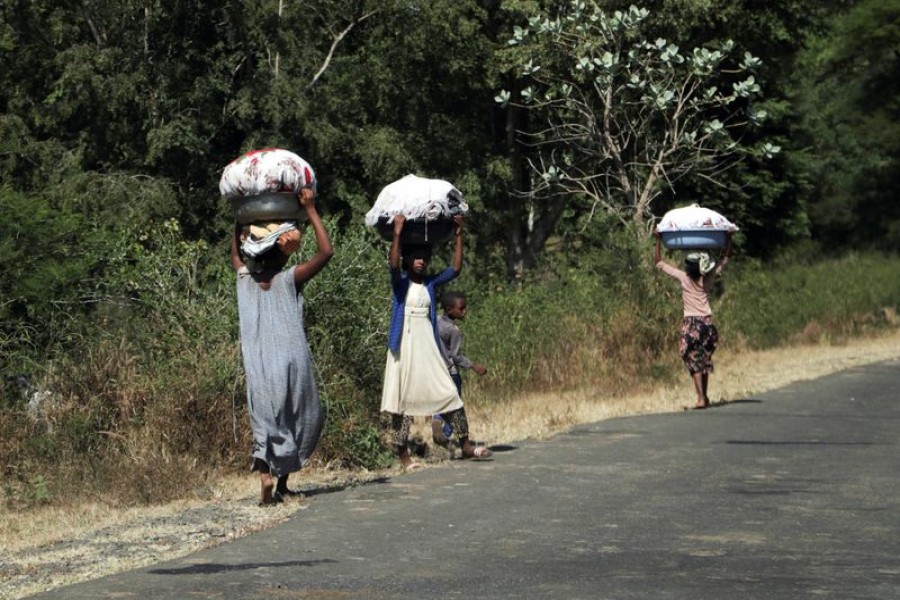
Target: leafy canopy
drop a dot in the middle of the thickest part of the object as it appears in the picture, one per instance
(617, 117)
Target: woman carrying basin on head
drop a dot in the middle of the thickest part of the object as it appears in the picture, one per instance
(699, 336)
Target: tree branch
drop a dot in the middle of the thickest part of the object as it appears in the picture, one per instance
(100, 39)
(334, 44)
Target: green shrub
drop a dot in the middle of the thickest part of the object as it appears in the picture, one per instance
(600, 319)
(767, 307)
(146, 389)
(346, 316)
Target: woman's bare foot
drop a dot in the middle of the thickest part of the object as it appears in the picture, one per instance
(701, 403)
(472, 452)
(266, 487)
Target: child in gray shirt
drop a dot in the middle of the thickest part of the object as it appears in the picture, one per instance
(454, 304)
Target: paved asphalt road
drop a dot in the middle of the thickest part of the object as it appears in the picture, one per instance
(791, 494)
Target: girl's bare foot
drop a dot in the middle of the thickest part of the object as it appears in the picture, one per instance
(405, 459)
(266, 488)
(701, 404)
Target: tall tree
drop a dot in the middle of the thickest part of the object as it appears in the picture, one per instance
(618, 117)
(766, 197)
(849, 98)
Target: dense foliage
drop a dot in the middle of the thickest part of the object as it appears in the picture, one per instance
(617, 118)
(117, 118)
(848, 103)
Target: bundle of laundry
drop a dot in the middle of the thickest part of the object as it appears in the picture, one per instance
(429, 206)
(694, 228)
(262, 185)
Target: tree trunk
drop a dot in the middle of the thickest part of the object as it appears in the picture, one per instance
(517, 256)
(278, 52)
(529, 229)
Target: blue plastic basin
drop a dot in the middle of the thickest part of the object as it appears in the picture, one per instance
(693, 240)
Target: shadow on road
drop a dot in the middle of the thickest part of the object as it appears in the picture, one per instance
(208, 568)
(340, 487)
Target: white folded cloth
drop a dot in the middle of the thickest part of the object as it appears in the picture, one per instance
(257, 246)
(416, 197)
(694, 218)
(703, 259)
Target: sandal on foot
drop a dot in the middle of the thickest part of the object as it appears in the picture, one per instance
(479, 453)
(277, 497)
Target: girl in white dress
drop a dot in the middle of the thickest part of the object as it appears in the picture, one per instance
(416, 379)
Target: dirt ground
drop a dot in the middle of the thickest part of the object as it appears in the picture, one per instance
(53, 547)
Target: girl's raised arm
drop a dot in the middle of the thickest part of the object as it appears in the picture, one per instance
(236, 262)
(309, 269)
(457, 261)
(394, 254)
(726, 254)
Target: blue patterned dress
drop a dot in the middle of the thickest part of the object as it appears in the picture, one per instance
(285, 414)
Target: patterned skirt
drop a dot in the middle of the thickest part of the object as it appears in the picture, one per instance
(699, 338)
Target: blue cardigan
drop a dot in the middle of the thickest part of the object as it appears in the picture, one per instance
(400, 285)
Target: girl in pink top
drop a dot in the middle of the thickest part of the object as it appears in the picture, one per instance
(699, 335)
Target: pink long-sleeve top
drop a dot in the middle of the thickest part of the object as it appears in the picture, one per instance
(694, 295)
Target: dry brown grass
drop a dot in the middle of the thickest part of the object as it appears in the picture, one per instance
(96, 539)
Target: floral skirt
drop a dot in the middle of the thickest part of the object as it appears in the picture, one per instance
(699, 338)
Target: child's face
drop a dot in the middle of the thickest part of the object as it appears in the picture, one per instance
(457, 312)
(418, 263)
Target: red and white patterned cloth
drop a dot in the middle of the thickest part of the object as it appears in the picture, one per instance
(694, 218)
(266, 171)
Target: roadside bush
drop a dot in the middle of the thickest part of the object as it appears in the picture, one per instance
(143, 398)
(811, 302)
(58, 249)
(346, 315)
(47, 261)
(599, 319)
(146, 391)
(617, 326)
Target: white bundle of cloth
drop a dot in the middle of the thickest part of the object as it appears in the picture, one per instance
(694, 218)
(259, 239)
(266, 171)
(417, 197)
